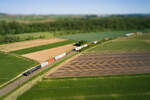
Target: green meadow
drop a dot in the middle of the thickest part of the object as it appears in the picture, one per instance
(95, 35)
(134, 87)
(125, 44)
(12, 66)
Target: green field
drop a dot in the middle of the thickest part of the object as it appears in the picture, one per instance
(25, 36)
(24, 18)
(37, 35)
(123, 87)
(122, 46)
(95, 36)
(134, 87)
(133, 44)
(43, 47)
(12, 66)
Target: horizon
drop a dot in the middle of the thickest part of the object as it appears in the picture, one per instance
(71, 7)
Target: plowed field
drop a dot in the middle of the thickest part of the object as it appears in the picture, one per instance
(96, 64)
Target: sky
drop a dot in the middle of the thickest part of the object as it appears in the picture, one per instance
(74, 6)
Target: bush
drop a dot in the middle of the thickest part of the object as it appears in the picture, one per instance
(80, 43)
(29, 38)
(41, 37)
(10, 38)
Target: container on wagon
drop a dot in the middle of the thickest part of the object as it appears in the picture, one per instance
(95, 42)
(78, 48)
(83, 46)
(31, 70)
(44, 64)
(60, 56)
(51, 60)
(130, 34)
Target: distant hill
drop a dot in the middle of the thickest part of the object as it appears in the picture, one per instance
(77, 15)
(3, 14)
(132, 15)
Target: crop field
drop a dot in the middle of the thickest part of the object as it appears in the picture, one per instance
(124, 74)
(94, 36)
(127, 44)
(134, 87)
(44, 55)
(12, 66)
(105, 64)
(122, 46)
(42, 47)
(25, 37)
(37, 35)
(28, 44)
(119, 56)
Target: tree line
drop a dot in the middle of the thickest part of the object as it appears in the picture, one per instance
(77, 24)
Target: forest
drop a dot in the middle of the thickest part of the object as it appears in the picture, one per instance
(86, 24)
(9, 30)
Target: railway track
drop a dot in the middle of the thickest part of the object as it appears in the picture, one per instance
(10, 87)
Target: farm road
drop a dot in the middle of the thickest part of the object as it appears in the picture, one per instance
(23, 79)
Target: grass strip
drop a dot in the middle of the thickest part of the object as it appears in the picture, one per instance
(42, 47)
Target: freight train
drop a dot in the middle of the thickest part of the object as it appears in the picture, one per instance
(52, 60)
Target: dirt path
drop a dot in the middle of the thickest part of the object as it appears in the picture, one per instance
(28, 44)
(105, 64)
(44, 55)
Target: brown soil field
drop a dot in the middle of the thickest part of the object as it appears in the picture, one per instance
(44, 55)
(96, 64)
(28, 44)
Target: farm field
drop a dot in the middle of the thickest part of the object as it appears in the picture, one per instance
(42, 47)
(44, 55)
(95, 36)
(105, 64)
(12, 66)
(37, 35)
(125, 44)
(134, 87)
(127, 55)
(100, 74)
(122, 46)
(28, 44)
